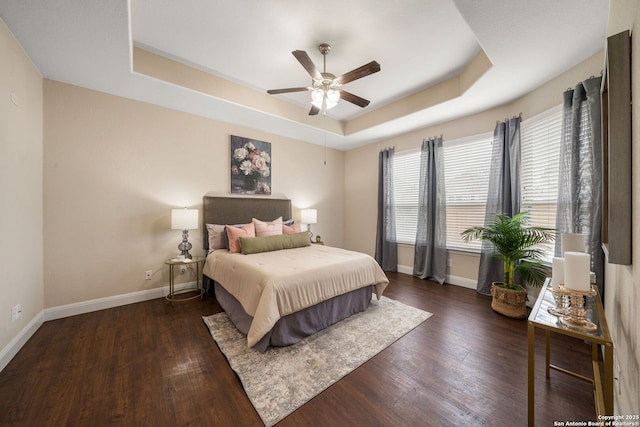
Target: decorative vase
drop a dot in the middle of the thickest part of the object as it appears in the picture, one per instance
(509, 302)
(250, 184)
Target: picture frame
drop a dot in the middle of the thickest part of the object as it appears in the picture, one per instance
(250, 166)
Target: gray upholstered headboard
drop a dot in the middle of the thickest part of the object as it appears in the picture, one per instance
(240, 210)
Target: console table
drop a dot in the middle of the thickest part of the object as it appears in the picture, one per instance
(541, 318)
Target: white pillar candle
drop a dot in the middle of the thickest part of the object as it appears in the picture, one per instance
(576, 271)
(557, 273)
(573, 242)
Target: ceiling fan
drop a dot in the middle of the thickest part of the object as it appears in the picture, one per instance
(325, 87)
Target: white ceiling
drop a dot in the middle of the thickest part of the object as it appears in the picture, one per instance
(418, 43)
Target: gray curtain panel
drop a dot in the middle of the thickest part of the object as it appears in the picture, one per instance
(386, 246)
(430, 257)
(503, 196)
(580, 177)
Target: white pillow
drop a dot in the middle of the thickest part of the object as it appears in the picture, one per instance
(215, 232)
(273, 228)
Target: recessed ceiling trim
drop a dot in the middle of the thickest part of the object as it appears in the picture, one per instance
(171, 71)
(439, 93)
(160, 67)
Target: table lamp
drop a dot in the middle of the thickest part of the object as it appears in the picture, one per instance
(309, 216)
(185, 220)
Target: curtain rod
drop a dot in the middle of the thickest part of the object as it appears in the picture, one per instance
(514, 116)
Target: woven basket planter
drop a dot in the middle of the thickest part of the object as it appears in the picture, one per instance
(509, 302)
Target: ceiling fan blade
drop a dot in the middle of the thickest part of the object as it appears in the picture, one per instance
(307, 63)
(354, 99)
(287, 90)
(358, 73)
(314, 110)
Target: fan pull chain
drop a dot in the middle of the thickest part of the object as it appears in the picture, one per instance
(325, 137)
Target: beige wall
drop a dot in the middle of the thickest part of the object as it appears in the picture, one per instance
(361, 164)
(623, 282)
(20, 188)
(622, 292)
(113, 169)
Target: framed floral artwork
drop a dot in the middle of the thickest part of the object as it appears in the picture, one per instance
(250, 166)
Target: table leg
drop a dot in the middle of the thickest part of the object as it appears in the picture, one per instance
(608, 379)
(547, 358)
(171, 280)
(199, 281)
(531, 375)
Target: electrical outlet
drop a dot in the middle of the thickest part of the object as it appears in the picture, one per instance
(16, 312)
(449, 262)
(148, 274)
(183, 269)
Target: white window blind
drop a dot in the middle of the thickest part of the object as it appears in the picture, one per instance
(406, 170)
(467, 165)
(540, 162)
(466, 170)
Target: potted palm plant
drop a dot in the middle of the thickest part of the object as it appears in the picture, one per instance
(515, 243)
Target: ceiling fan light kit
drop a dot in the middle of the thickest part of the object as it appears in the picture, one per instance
(325, 87)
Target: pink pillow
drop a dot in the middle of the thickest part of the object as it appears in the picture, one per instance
(293, 229)
(272, 228)
(234, 233)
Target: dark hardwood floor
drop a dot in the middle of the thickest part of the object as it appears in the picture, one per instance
(151, 364)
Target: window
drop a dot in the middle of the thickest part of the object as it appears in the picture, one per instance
(406, 170)
(467, 165)
(539, 166)
(466, 174)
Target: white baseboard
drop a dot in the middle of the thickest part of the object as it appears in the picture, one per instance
(462, 281)
(405, 269)
(452, 280)
(108, 302)
(11, 349)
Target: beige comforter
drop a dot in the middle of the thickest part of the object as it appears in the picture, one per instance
(270, 285)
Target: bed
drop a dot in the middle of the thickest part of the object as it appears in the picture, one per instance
(278, 297)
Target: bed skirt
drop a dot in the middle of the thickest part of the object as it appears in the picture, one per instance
(292, 328)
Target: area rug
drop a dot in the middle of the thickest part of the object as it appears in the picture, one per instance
(282, 379)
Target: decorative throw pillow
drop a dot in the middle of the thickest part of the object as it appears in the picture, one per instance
(215, 232)
(291, 229)
(234, 233)
(273, 243)
(225, 235)
(273, 228)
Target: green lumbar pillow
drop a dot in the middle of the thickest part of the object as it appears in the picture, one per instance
(254, 245)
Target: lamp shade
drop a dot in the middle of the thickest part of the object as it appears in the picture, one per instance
(332, 98)
(308, 216)
(329, 97)
(184, 219)
(317, 95)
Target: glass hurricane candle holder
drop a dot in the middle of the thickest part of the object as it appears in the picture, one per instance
(576, 317)
(563, 303)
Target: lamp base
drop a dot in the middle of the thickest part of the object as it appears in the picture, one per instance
(185, 246)
(310, 233)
